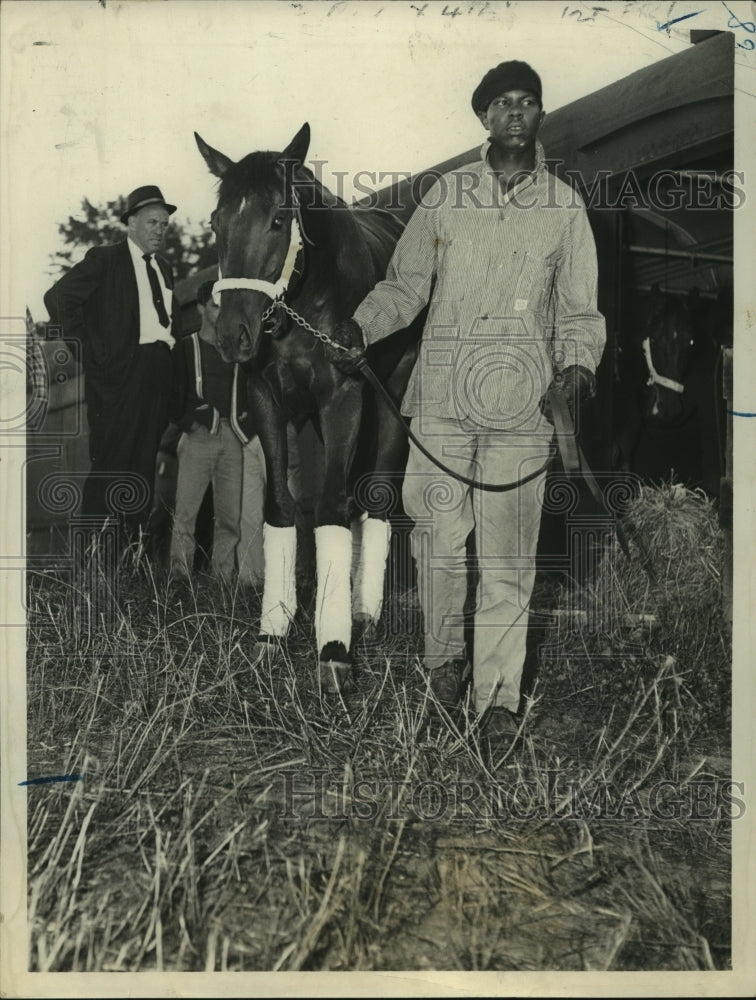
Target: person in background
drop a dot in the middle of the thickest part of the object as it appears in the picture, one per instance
(250, 559)
(118, 301)
(209, 406)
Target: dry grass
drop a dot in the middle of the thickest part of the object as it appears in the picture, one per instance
(662, 605)
(195, 841)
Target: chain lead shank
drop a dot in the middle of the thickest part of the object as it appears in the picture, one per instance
(301, 321)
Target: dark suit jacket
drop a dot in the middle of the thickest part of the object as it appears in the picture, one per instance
(97, 302)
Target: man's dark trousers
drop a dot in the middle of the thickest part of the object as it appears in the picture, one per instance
(126, 424)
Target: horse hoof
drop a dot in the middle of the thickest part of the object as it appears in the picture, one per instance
(334, 677)
(267, 649)
(334, 669)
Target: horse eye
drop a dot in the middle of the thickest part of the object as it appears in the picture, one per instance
(278, 221)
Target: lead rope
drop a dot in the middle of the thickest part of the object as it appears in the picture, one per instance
(573, 459)
(572, 456)
(373, 379)
(571, 453)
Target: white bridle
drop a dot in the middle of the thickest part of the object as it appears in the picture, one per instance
(275, 289)
(654, 378)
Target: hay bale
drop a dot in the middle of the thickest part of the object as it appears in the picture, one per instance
(677, 553)
(671, 587)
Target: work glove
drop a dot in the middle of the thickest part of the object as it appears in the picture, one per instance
(348, 334)
(576, 383)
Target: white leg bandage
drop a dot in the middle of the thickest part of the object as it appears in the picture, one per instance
(367, 593)
(279, 602)
(333, 613)
(356, 529)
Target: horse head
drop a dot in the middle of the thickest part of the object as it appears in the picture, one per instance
(257, 237)
(667, 348)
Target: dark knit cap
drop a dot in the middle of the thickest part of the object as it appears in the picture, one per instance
(512, 75)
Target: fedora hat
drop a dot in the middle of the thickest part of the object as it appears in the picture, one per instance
(147, 195)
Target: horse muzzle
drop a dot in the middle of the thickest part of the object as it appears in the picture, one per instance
(237, 339)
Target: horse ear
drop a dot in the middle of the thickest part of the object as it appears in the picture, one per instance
(296, 151)
(217, 162)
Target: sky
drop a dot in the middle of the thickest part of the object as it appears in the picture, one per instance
(100, 97)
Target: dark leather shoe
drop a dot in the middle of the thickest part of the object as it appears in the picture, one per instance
(448, 682)
(499, 725)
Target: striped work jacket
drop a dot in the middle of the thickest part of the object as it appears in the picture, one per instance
(511, 282)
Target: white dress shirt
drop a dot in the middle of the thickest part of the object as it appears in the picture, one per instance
(150, 329)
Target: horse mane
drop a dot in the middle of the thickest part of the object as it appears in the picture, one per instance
(381, 230)
(362, 238)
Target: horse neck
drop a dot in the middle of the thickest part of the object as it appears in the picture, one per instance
(337, 274)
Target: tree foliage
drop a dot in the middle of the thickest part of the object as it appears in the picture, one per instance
(189, 247)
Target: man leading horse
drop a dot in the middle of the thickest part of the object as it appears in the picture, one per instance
(503, 254)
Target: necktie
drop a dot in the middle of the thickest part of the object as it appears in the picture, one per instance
(157, 295)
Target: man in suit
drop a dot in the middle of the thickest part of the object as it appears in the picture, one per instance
(119, 305)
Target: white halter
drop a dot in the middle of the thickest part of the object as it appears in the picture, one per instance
(654, 378)
(275, 289)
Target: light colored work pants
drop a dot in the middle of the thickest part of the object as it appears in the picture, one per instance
(250, 550)
(205, 458)
(506, 534)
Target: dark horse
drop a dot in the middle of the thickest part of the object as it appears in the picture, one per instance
(668, 402)
(294, 260)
